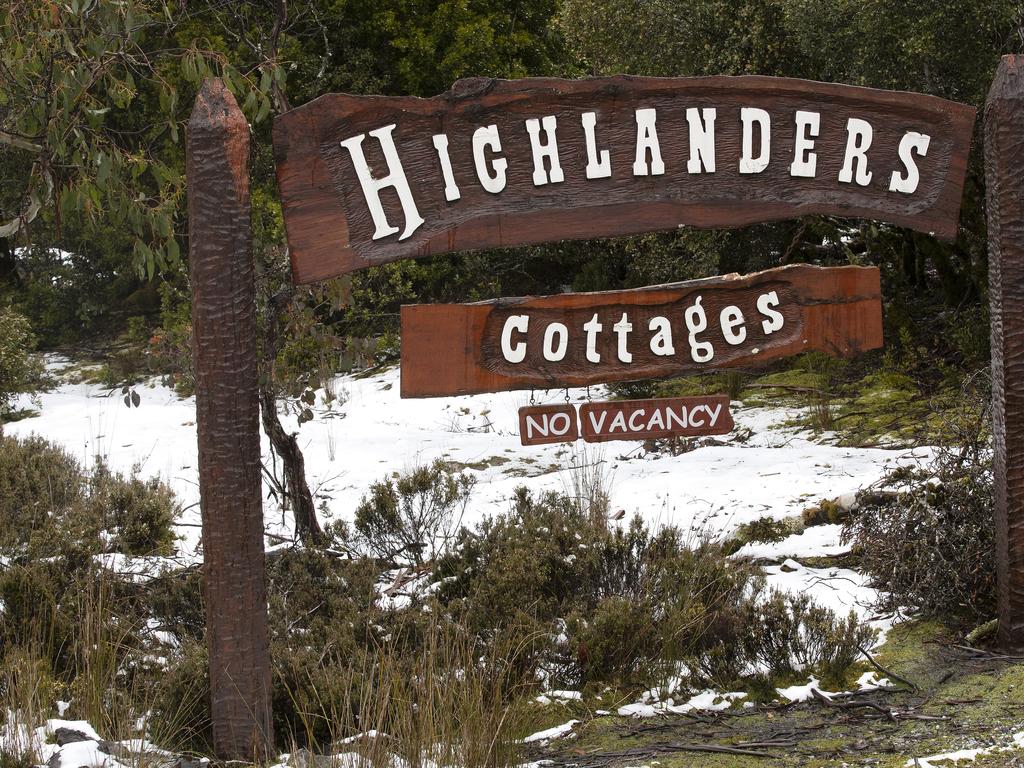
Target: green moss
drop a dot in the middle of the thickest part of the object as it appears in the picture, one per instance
(982, 699)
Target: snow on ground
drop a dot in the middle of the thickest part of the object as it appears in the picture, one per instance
(776, 471)
(818, 541)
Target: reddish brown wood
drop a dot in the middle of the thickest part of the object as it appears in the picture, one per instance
(655, 418)
(1004, 176)
(330, 230)
(542, 424)
(227, 418)
(454, 349)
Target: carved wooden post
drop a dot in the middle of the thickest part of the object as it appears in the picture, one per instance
(227, 416)
(1004, 176)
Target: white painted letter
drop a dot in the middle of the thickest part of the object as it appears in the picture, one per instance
(593, 327)
(731, 317)
(516, 353)
(484, 138)
(534, 426)
(749, 116)
(805, 162)
(661, 343)
(858, 140)
(775, 320)
(702, 139)
(566, 423)
(552, 353)
(911, 142)
(697, 321)
(547, 150)
(451, 190)
(713, 412)
(598, 166)
(394, 178)
(637, 414)
(622, 329)
(693, 416)
(647, 140)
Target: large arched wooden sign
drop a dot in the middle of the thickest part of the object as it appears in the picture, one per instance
(491, 163)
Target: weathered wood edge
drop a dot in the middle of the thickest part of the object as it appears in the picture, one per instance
(322, 259)
(425, 326)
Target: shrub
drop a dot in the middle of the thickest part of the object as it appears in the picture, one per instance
(138, 514)
(926, 535)
(789, 634)
(37, 480)
(125, 514)
(19, 371)
(765, 529)
(413, 517)
(50, 506)
(628, 605)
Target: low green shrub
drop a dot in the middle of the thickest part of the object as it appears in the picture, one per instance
(411, 518)
(629, 605)
(763, 530)
(788, 634)
(925, 534)
(20, 372)
(50, 505)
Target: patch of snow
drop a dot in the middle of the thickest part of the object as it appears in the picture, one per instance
(706, 700)
(83, 754)
(869, 681)
(566, 695)
(816, 541)
(551, 733)
(803, 692)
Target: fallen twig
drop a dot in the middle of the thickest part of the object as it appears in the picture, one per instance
(887, 672)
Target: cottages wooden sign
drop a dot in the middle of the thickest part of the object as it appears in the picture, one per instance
(664, 330)
(625, 420)
(366, 180)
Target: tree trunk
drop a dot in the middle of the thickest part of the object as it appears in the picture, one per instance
(307, 526)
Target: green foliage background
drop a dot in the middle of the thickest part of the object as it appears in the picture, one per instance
(94, 96)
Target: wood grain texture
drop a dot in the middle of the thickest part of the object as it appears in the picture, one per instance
(1004, 176)
(329, 226)
(655, 418)
(227, 419)
(453, 349)
(543, 424)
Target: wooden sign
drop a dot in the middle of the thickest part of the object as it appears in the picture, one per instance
(651, 419)
(665, 330)
(542, 424)
(626, 420)
(366, 180)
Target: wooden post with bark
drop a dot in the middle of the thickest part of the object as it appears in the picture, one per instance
(227, 416)
(1004, 176)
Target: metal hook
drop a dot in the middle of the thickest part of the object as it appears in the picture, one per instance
(532, 399)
